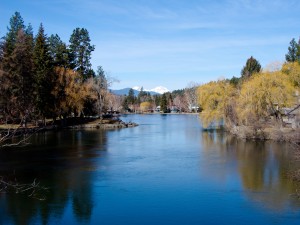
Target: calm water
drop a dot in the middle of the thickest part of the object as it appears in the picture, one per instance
(166, 171)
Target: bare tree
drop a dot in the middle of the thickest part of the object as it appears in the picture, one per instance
(181, 103)
(191, 95)
(101, 84)
(114, 102)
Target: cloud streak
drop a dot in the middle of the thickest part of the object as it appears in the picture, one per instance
(178, 40)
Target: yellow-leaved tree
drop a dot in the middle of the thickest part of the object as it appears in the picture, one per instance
(145, 106)
(293, 72)
(217, 99)
(70, 92)
(264, 95)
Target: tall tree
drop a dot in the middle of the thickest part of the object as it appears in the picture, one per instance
(16, 67)
(131, 97)
(256, 103)
(216, 98)
(190, 95)
(44, 75)
(59, 52)
(70, 95)
(100, 87)
(21, 85)
(17, 80)
(81, 50)
(164, 103)
(16, 23)
(252, 66)
(291, 56)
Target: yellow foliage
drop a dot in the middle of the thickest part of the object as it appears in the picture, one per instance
(70, 92)
(293, 71)
(145, 106)
(264, 94)
(214, 98)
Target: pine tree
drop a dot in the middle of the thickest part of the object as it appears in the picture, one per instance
(59, 52)
(9, 40)
(9, 67)
(16, 23)
(21, 75)
(44, 75)
(81, 49)
(131, 97)
(164, 103)
(291, 56)
(252, 66)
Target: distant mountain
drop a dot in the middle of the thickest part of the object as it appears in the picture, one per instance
(155, 91)
(124, 91)
(159, 89)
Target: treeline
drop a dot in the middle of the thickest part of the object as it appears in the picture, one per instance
(43, 77)
(184, 100)
(257, 98)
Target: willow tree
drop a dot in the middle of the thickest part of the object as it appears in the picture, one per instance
(217, 99)
(293, 72)
(263, 96)
(70, 95)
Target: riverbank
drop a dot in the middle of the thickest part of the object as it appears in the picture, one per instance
(69, 123)
(281, 134)
(103, 124)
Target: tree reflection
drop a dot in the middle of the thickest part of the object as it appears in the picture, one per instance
(62, 161)
(262, 167)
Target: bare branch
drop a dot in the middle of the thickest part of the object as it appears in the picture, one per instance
(33, 189)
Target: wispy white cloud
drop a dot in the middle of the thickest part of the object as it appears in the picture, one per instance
(162, 38)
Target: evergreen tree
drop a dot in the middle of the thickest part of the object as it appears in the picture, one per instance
(291, 56)
(44, 75)
(16, 23)
(125, 104)
(169, 99)
(81, 49)
(234, 81)
(9, 40)
(59, 52)
(131, 97)
(9, 66)
(157, 99)
(164, 103)
(252, 66)
(21, 74)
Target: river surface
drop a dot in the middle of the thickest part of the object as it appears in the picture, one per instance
(165, 171)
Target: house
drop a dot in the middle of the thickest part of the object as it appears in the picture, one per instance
(292, 116)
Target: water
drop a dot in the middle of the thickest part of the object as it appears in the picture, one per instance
(165, 171)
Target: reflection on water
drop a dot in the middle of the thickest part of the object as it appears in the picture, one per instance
(262, 166)
(60, 161)
(166, 171)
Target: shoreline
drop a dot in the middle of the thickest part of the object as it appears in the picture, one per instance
(12, 130)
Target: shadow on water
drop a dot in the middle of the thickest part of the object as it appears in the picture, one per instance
(64, 162)
(261, 166)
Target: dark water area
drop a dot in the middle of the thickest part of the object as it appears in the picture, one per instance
(165, 171)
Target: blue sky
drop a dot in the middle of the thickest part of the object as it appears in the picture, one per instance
(168, 42)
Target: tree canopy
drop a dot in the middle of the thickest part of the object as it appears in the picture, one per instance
(252, 66)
